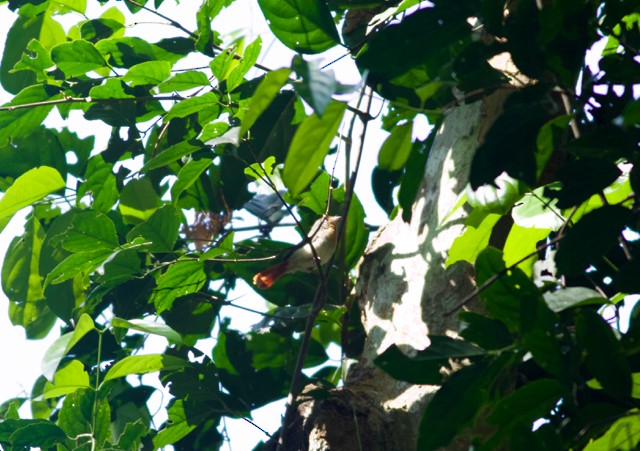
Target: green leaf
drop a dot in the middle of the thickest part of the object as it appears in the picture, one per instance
(90, 231)
(67, 380)
(487, 333)
(38, 434)
(30, 187)
(169, 155)
(126, 52)
(160, 230)
(143, 364)
(79, 263)
(623, 434)
(148, 73)
(538, 327)
(76, 58)
(534, 400)
(604, 355)
(179, 427)
(522, 242)
(21, 281)
(62, 345)
(38, 60)
(536, 210)
(424, 367)
(138, 201)
(266, 91)
(187, 176)
(182, 278)
(111, 89)
(316, 86)
(396, 148)
(100, 183)
(569, 297)
(192, 105)
(85, 419)
(601, 229)
(249, 58)
(474, 239)
(183, 81)
(149, 327)
(41, 27)
(305, 26)
(21, 122)
(96, 29)
(309, 147)
(260, 171)
(503, 297)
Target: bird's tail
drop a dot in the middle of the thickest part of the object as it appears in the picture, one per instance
(269, 276)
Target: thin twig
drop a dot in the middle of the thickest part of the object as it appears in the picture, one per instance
(87, 100)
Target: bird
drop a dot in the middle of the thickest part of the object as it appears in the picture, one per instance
(324, 239)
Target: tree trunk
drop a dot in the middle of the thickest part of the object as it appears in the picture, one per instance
(403, 291)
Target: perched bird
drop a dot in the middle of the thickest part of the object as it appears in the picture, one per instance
(324, 239)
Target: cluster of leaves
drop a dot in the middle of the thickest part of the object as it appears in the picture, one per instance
(108, 249)
(552, 226)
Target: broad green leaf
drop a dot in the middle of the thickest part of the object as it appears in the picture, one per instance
(504, 296)
(62, 345)
(143, 364)
(260, 171)
(30, 187)
(535, 210)
(522, 242)
(305, 26)
(601, 229)
(529, 403)
(42, 435)
(148, 73)
(79, 263)
(126, 52)
(309, 147)
(538, 327)
(113, 88)
(474, 239)
(77, 58)
(623, 434)
(66, 6)
(487, 333)
(183, 81)
(67, 380)
(424, 367)
(90, 231)
(177, 429)
(192, 105)
(213, 130)
(160, 230)
(100, 184)
(182, 278)
(396, 148)
(266, 91)
(43, 28)
(187, 176)
(21, 281)
(138, 201)
(169, 155)
(583, 178)
(102, 28)
(21, 122)
(316, 86)
(86, 418)
(605, 358)
(149, 327)
(38, 64)
(565, 298)
(249, 58)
